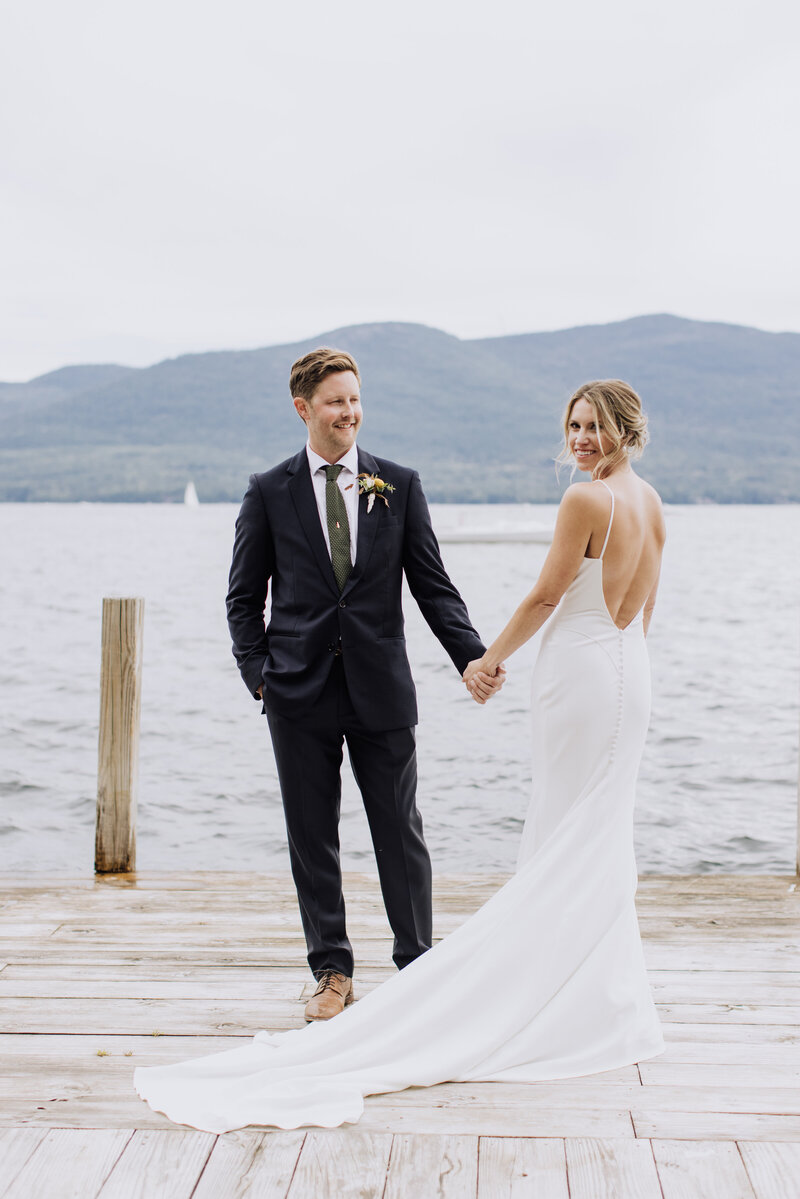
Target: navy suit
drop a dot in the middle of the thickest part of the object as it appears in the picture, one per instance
(333, 667)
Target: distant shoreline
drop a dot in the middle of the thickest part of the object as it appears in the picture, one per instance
(479, 419)
(432, 499)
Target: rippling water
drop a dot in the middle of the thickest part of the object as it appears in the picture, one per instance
(718, 781)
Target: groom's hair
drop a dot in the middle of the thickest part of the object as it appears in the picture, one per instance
(309, 371)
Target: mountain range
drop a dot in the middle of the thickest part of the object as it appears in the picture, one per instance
(479, 418)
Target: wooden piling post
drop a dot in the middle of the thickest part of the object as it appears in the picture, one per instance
(118, 743)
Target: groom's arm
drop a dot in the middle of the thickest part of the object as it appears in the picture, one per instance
(252, 566)
(431, 586)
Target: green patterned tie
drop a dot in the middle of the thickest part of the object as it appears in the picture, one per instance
(338, 526)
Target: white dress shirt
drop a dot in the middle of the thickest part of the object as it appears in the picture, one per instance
(349, 488)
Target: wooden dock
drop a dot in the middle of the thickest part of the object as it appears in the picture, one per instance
(98, 975)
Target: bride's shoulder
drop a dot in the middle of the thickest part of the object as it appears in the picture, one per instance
(650, 494)
(584, 497)
(648, 489)
(654, 508)
(581, 508)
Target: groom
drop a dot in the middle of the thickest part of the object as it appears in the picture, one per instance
(335, 529)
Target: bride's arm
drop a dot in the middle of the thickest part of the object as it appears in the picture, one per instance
(574, 523)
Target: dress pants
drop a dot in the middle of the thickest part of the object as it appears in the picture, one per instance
(308, 753)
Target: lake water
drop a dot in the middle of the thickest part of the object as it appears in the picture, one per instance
(718, 780)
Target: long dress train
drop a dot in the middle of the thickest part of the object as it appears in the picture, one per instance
(547, 980)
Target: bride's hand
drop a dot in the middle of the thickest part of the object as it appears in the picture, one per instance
(481, 683)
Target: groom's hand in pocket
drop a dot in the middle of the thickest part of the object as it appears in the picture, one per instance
(482, 685)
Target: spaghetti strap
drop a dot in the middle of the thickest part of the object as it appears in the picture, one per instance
(610, 519)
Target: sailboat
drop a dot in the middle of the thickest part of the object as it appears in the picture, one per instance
(190, 497)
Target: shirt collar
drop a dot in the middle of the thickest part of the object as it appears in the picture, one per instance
(349, 461)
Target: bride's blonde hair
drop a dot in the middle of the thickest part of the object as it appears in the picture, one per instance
(620, 419)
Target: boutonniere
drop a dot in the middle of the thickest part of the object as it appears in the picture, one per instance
(372, 486)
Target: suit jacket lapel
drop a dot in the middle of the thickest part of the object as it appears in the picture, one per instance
(302, 492)
(367, 525)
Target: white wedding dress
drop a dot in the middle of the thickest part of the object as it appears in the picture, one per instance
(547, 980)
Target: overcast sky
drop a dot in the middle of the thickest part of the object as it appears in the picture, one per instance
(184, 175)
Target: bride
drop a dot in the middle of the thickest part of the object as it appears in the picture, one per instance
(547, 980)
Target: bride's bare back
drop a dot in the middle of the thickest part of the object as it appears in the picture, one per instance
(632, 557)
(631, 561)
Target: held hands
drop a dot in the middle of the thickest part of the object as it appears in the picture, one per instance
(481, 683)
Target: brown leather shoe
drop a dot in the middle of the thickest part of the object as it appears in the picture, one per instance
(333, 994)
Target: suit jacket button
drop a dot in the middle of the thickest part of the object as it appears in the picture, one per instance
(331, 648)
(342, 604)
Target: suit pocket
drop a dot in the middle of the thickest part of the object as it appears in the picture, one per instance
(276, 633)
(390, 522)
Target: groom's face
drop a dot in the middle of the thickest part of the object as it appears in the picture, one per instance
(332, 415)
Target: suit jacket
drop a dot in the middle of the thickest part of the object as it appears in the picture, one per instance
(279, 538)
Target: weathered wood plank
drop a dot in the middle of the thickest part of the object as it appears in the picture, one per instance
(701, 1170)
(71, 1163)
(716, 884)
(773, 1169)
(274, 978)
(145, 1016)
(720, 1074)
(282, 956)
(729, 1052)
(444, 1166)
(137, 922)
(81, 1112)
(54, 1048)
(350, 1165)
(250, 1165)
(118, 933)
(738, 957)
(731, 1033)
(604, 1169)
(118, 742)
(116, 1111)
(715, 1126)
(689, 885)
(100, 1073)
(737, 929)
(159, 1164)
(660, 900)
(516, 1168)
(28, 930)
(723, 986)
(99, 1076)
(739, 1013)
(16, 1146)
(585, 1092)
(269, 992)
(489, 1119)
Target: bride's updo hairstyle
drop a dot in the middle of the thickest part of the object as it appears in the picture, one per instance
(620, 420)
